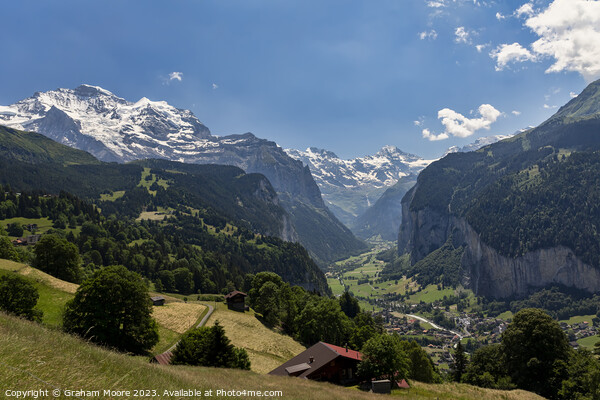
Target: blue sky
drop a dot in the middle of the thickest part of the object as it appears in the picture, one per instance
(346, 75)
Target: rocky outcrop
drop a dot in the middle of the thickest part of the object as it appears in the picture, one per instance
(485, 271)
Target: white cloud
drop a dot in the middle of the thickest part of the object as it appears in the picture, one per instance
(500, 17)
(525, 9)
(178, 76)
(432, 34)
(508, 53)
(480, 47)
(461, 35)
(436, 3)
(458, 125)
(433, 137)
(515, 112)
(573, 94)
(547, 107)
(569, 33)
(417, 122)
(215, 86)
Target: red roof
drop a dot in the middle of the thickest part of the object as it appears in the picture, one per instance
(403, 384)
(163, 359)
(353, 354)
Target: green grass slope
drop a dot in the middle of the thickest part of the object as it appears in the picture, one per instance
(33, 357)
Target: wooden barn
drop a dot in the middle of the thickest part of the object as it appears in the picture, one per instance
(157, 300)
(236, 301)
(323, 362)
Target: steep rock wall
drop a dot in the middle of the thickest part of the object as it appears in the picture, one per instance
(485, 271)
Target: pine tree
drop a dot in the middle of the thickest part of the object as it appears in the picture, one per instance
(460, 362)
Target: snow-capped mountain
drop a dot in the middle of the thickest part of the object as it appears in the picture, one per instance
(111, 128)
(351, 186)
(93, 119)
(379, 170)
(478, 143)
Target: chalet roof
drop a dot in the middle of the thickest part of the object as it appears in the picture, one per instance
(316, 357)
(235, 293)
(156, 298)
(163, 359)
(297, 368)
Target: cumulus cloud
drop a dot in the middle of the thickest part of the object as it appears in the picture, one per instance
(461, 35)
(480, 47)
(525, 9)
(458, 125)
(176, 76)
(432, 34)
(510, 53)
(433, 137)
(569, 33)
(500, 17)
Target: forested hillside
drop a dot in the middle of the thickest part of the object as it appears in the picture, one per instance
(530, 193)
(212, 225)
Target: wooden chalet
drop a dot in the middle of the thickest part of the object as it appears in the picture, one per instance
(236, 301)
(323, 362)
(157, 300)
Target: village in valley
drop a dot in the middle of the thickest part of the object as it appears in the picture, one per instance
(431, 315)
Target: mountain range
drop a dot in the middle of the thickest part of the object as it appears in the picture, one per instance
(519, 214)
(95, 120)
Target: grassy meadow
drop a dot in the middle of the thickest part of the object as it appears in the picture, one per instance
(49, 359)
(266, 348)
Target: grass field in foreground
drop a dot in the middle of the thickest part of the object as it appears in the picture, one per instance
(174, 318)
(266, 348)
(49, 359)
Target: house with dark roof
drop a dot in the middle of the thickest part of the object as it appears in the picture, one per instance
(236, 301)
(157, 300)
(323, 362)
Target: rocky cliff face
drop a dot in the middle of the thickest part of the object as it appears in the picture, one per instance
(485, 271)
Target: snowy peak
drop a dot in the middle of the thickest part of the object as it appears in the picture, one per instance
(106, 125)
(379, 170)
(478, 144)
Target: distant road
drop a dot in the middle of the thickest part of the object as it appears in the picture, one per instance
(434, 325)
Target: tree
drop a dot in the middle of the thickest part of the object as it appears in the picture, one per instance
(349, 304)
(58, 257)
(323, 320)
(383, 357)
(460, 362)
(7, 249)
(15, 229)
(210, 347)
(420, 365)
(487, 369)
(535, 347)
(168, 280)
(18, 296)
(184, 280)
(113, 308)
